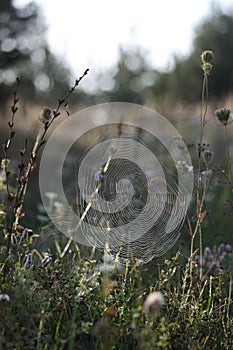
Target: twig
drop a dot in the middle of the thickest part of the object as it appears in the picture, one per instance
(40, 140)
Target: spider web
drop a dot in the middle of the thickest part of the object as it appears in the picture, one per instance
(129, 197)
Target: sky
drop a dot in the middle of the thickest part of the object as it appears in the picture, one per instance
(88, 33)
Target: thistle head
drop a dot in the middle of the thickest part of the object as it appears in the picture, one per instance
(224, 114)
(207, 57)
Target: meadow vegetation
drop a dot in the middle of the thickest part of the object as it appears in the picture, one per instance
(83, 299)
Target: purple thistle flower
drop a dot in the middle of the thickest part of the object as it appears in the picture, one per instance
(24, 236)
(14, 239)
(27, 260)
(99, 175)
(46, 261)
(207, 251)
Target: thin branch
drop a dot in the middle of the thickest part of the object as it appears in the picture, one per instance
(40, 140)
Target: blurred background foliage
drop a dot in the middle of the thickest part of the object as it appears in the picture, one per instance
(184, 80)
(136, 81)
(45, 78)
(26, 54)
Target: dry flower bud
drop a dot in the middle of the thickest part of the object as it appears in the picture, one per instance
(45, 115)
(207, 56)
(27, 260)
(24, 236)
(14, 240)
(223, 115)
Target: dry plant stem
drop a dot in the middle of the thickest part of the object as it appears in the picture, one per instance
(23, 190)
(198, 225)
(204, 106)
(61, 102)
(224, 174)
(228, 157)
(14, 109)
(5, 147)
(40, 140)
(200, 201)
(229, 302)
(35, 251)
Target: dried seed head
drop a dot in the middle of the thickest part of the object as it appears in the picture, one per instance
(207, 157)
(207, 56)
(45, 115)
(223, 115)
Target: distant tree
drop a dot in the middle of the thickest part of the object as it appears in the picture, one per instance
(184, 81)
(132, 77)
(25, 54)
